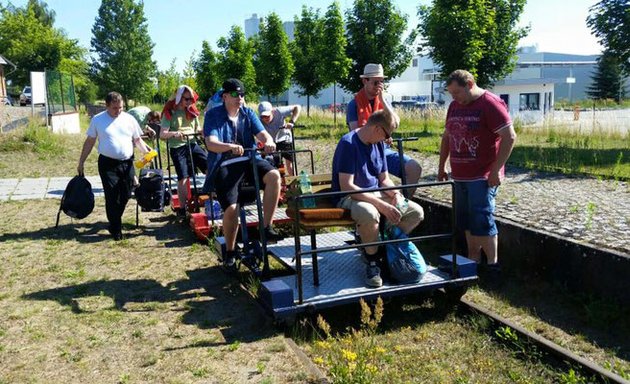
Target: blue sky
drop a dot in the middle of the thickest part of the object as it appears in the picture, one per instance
(178, 27)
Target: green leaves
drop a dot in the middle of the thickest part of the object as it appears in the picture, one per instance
(374, 31)
(478, 35)
(274, 64)
(123, 49)
(609, 21)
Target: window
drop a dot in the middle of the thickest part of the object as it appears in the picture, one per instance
(529, 102)
(414, 63)
(506, 99)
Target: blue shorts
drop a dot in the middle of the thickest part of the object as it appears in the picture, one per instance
(475, 207)
(393, 162)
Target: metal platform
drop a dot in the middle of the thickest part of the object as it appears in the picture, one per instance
(342, 275)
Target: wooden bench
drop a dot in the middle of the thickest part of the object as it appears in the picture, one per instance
(325, 214)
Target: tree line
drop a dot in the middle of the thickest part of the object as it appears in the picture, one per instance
(329, 47)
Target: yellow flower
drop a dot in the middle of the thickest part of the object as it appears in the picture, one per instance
(380, 350)
(322, 344)
(371, 368)
(318, 361)
(349, 355)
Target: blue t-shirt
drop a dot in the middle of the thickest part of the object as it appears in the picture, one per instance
(365, 161)
(217, 123)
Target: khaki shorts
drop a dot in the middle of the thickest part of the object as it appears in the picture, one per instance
(365, 213)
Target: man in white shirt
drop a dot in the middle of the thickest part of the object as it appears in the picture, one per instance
(117, 132)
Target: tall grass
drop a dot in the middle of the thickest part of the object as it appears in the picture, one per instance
(34, 138)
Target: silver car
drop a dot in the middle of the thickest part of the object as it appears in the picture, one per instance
(26, 96)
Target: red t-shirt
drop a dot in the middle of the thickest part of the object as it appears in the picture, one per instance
(473, 132)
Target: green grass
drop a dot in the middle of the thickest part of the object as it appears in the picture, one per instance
(549, 148)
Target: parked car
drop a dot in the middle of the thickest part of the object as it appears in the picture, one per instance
(26, 96)
(6, 100)
(414, 104)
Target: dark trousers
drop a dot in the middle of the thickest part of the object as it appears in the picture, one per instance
(117, 177)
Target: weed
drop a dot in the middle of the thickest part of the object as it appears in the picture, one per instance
(234, 346)
(356, 357)
(260, 367)
(572, 377)
(201, 372)
(125, 378)
(590, 211)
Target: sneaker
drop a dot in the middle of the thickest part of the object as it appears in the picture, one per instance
(373, 276)
(229, 262)
(271, 235)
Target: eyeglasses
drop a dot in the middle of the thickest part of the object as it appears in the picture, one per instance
(377, 82)
(188, 99)
(387, 134)
(237, 94)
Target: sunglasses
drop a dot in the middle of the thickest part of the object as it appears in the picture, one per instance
(387, 134)
(237, 94)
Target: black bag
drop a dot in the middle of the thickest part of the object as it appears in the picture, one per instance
(77, 200)
(152, 194)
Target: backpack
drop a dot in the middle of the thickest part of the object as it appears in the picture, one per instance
(77, 200)
(404, 261)
(152, 194)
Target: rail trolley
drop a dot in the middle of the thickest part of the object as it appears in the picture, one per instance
(322, 270)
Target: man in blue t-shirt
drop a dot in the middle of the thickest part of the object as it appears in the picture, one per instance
(228, 129)
(359, 164)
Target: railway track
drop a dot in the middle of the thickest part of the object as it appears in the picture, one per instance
(587, 367)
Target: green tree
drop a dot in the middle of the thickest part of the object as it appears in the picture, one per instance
(123, 49)
(205, 67)
(608, 79)
(35, 45)
(336, 64)
(306, 50)
(477, 35)
(188, 74)
(42, 12)
(234, 60)
(274, 64)
(609, 21)
(167, 83)
(374, 31)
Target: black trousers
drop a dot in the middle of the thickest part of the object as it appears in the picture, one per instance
(117, 177)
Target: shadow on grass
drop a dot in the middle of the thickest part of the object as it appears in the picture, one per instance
(221, 306)
(576, 314)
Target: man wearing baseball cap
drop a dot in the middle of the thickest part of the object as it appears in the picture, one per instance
(273, 120)
(228, 130)
(361, 107)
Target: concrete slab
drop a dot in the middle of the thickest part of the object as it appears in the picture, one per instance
(8, 182)
(27, 197)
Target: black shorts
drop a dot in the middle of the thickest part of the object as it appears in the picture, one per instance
(229, 178)
(285, 146)
(181, 159)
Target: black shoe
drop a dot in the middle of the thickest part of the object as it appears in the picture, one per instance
(116, 233)
(373, 276)
(229, 261)
(271, 235)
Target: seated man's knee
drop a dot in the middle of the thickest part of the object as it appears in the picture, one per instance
(365, 214)
(413, 170)
(272, 177)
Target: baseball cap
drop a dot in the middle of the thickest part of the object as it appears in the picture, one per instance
(264, 108)
(231, 85)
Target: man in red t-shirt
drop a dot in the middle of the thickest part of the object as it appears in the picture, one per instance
(478, 138)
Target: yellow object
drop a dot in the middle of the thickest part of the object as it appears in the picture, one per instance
(146, 159)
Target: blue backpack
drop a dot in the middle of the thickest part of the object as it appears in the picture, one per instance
(404, 260)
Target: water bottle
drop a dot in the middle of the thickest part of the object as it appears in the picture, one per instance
(213, 210)
(146, 159)
(305, 189)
